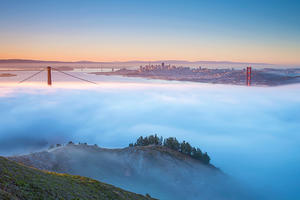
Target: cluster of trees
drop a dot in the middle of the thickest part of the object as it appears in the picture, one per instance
(151, 140)
(172, 143)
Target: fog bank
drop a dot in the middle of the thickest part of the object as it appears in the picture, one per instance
(251, 133)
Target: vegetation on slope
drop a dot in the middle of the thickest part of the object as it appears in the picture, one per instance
(172, 143)
(22, 182)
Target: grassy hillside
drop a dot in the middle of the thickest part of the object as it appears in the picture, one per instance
(22, 182)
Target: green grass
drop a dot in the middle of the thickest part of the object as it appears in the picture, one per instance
(21, 182)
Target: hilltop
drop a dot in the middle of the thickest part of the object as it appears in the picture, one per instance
(19, 182)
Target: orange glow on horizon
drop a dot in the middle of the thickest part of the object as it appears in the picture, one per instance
(190, 51)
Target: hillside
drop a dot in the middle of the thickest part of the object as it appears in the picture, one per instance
(22, 182)
(157, 170)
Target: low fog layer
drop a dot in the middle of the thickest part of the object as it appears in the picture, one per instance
(251, 133)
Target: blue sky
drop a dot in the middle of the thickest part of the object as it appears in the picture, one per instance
(249, 31)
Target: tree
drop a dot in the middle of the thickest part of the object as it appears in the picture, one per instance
(172, 143)
(197, 154)
(205, 158)
(160, 141)
(185, 148)
(194, 150)
(153, 140)
(139, 141)
(146, 141)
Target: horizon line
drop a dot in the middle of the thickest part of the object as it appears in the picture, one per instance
(129, 61)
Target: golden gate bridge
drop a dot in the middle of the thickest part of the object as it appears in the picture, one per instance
(49, 75)
(50, 69)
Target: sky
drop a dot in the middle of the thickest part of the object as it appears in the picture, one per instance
(243, 31)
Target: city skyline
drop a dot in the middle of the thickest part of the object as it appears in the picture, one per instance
(256, 31)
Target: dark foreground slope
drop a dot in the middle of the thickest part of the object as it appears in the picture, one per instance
(159, 171)
(22, 182)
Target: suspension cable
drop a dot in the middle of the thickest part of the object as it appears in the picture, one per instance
(74, 76)
(26, 79)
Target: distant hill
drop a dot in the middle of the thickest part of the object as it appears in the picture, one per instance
(133, 62)
(157, 170)
(41, 61)
(19, 182)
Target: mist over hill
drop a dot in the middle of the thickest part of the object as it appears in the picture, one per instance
(157, 170)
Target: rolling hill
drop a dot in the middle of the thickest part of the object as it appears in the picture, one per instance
(157, 170)
(22, 183)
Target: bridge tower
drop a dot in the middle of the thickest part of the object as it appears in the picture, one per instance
(49, 76)
(248, 76)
